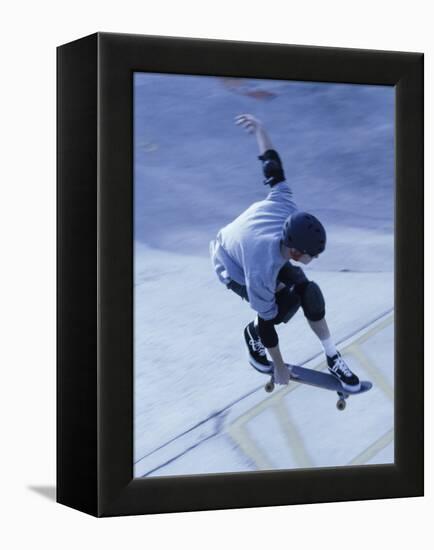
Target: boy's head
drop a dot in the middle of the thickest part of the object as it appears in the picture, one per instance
(304, 236)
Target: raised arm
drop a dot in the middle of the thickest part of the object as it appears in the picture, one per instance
(254, 126)
(271, 163)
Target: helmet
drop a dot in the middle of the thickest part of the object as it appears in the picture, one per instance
(304, 232)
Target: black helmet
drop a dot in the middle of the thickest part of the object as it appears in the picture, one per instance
(304, 232)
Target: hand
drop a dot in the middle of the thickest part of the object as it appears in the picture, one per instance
(249, 122)
(281, 374)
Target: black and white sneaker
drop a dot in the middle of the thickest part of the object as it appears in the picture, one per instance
(257, 354)
(339, 368)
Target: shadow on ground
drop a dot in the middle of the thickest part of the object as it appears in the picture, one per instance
(45, 491)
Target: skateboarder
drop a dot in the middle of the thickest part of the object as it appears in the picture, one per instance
(253, 257)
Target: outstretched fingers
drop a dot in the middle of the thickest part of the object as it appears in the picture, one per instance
(248, 122)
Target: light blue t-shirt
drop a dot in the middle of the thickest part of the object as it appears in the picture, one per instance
(247, 250)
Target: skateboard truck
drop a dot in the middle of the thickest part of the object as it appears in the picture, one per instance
(342, 401)
(340, 405)
(320, 380)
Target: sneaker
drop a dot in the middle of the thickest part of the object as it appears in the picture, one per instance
(257, 354)
(339, 368)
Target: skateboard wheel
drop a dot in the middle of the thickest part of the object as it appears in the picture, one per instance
(341, 404)
(269, 387)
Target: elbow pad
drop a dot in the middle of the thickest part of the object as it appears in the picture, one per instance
(272, 168)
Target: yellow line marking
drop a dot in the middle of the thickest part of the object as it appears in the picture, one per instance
(264, 405)
(251, 449)
(238, 429)
(373, 449)
(292, 435)
(374, 330)
(239, 433)
(374, 374)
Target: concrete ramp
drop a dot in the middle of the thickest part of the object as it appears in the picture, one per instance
(297, 426)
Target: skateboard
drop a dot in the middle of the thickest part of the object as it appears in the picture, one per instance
(319, 379)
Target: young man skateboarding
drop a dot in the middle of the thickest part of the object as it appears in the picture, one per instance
(252, 257)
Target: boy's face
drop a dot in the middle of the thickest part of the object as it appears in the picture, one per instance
(298, 256)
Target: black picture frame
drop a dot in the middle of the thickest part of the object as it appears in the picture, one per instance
(95, 274)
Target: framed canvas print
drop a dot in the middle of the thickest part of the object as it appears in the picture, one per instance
(240, 274)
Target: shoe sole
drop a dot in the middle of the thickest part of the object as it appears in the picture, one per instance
(255, 364)
(258, 366)
(346, 387)
(351, 389)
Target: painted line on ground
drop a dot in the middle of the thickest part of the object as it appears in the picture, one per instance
(238, 429)
(373, 449)
(238, 432)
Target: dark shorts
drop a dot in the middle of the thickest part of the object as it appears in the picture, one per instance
(287, 299)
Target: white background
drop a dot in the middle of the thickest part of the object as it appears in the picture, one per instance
(30, 31)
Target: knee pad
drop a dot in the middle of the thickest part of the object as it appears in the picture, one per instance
(312, 301)
(288, 303)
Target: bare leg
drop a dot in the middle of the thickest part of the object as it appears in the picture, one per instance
(320, 328)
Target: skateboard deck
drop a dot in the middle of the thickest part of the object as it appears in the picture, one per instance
(318, 379)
